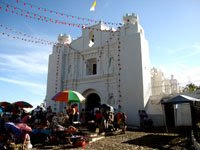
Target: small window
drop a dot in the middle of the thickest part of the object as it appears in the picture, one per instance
(94, 68)
(91, 66)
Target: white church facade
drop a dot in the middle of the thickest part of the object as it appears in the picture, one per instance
(107, 66)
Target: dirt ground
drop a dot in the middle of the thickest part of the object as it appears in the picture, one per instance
(139, 140)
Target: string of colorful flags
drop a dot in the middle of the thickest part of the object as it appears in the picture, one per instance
(25, 39)
(67, 16)
(24, 13)
(29, 38)
(21, 12)
(32, 39)
(119, 68)
(26, 35)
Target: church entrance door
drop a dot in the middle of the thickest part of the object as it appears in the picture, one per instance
(92, 101)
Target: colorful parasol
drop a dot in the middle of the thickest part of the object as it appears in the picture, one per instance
(5, 104)
(23, 104)
(69, 96)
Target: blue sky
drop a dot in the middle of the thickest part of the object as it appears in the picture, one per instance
(172, 29)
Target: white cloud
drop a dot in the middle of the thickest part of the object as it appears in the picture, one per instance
(32, 62)
(182, 63)
(24, 83)
(185, 74)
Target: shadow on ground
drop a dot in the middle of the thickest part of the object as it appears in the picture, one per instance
(161, 141)
(50, 147)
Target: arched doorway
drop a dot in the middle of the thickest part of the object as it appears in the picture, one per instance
(93, 101)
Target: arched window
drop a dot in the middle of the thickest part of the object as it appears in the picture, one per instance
(91, 38)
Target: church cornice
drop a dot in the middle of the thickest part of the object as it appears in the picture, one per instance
(93, 78)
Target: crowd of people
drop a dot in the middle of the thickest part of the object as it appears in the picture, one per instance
(21, 128)
(107, 119)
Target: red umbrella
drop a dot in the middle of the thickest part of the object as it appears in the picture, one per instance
(24, 127)
(5, 104)
(23, 104)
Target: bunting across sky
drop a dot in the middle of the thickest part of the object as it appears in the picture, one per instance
(66, 16)
(25, 35)
(24, 13)
(24, 39)
(31, 15)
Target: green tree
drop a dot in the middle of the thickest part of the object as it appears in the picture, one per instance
(191, 87)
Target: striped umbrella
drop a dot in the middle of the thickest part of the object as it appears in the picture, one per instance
(69, 96)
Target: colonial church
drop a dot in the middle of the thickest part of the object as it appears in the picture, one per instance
(107, 66)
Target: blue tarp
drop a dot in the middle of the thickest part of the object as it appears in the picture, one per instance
(11, 126)
(42, 131)
(1, 110)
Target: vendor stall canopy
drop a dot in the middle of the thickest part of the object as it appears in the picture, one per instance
(180, 99)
